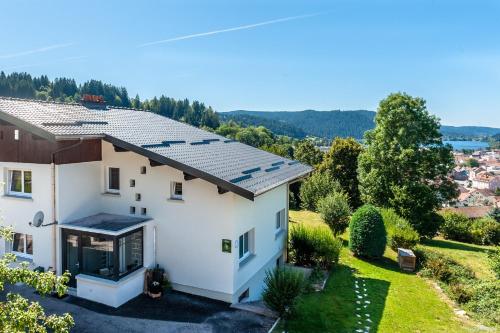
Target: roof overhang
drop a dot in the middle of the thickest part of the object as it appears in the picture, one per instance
(180, 166)
(27, 126)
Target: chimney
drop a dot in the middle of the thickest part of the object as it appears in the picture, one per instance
(93, 101)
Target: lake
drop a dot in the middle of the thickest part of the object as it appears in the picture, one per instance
(474, 145)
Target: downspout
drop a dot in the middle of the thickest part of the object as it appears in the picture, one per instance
(53, 199)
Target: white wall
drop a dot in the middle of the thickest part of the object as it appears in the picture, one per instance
(112, 293)
(18, 212)
(260, 215)
(189, 232)
(78, 190)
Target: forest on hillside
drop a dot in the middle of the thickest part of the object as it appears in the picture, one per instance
(298, 124)
(23, 85)
(330, 124)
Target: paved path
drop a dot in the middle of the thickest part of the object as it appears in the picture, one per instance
(88, 321)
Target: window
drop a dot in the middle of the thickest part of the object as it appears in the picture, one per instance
(16, 135)
(143, 170)
(244, 295)
(20, 183)
(245, 245)
(144, 211)
(137, 197)
(22, 244)
(130, 252)
(280, 220)
(132, 183)
(104, 256)
(113, 180)
(176, 191)
(97, 255)
(132, 210)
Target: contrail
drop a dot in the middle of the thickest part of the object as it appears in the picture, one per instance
(243, 27)
(39, 50)
(64, 60)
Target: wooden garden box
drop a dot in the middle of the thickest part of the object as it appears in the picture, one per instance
(406, 259)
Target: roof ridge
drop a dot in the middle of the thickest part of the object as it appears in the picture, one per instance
(66, 103)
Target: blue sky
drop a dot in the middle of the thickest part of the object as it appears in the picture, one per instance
(269, 55)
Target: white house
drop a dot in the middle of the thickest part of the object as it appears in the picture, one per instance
(486, 180)
(124, 190)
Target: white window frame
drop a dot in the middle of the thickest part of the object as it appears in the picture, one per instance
(24, 254)
(108, 180)
(174, 196)
(280, 217)
(250, 242)
(10, 172)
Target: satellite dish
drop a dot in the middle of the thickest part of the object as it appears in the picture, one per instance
(38, 219)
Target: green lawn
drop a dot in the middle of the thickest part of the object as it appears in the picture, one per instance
(470, 255)
(400, 302)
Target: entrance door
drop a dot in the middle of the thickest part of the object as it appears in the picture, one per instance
(71, 261)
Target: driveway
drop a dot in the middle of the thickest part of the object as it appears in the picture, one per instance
(174, 312)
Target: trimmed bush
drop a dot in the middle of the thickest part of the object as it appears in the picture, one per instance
(318, 186)
(456, 227)
(283, 287)
(400, 233)
(367, 232)
(335, 211)
(485, 231)
(404, 237)
(314, 246)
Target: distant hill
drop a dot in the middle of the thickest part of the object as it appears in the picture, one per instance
(329, 124)
(471, 131)
(324, 124)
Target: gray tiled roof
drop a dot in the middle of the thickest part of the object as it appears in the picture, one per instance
(216, 160)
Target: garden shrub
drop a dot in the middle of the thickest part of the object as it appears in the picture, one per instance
(456, 226)
(439, 267)
(335, 211)
(367, 232)
(484, 302)
(428, 224)
(400, 233)
(317, 186)
(494, 257)
(301, 245)
(480, 298)
(404, 237)
(282, 288)
(460, 292)
(485, 231)
(314, 246)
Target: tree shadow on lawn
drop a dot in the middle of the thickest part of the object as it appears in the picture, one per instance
(444, 244)
(335, 308)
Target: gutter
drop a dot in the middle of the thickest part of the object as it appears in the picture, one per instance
(54, 203)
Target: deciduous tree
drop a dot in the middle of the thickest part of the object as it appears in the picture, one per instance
(405, 164)
(341, 162)
(306, 152)
(19, 315)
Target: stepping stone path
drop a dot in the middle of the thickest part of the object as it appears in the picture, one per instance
(364, 321)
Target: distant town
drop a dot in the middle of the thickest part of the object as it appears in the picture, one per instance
(477, 174)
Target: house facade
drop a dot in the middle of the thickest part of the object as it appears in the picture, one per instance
(486, 180)
(125, 190)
